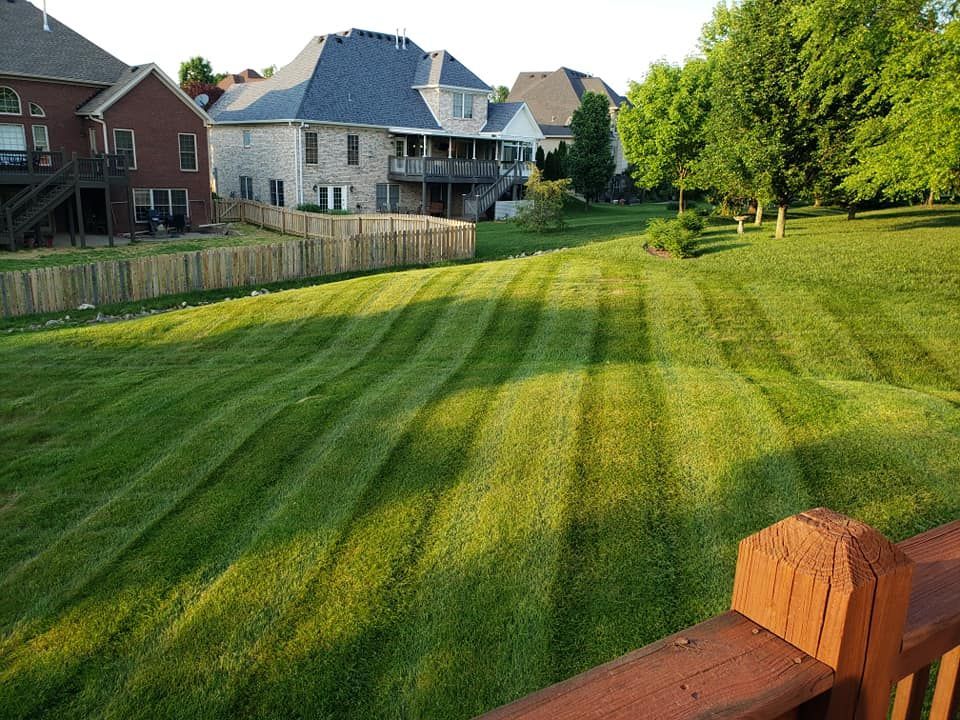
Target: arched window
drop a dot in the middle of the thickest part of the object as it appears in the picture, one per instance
(9, 102)
(37, 110)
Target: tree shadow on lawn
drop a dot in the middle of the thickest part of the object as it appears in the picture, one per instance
(944, 220)
(487, 605)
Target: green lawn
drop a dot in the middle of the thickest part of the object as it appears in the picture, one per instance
(422, 494)
(46, 257)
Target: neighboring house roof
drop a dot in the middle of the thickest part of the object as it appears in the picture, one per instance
(442, 68)
(104, 100)
(356, 77)
(554, 96)
(248, 75)
(556, 130)
(61, 54)
(499, 116)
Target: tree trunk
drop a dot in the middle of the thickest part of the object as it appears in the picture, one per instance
(930, 200)
(680, 207)
(851, 212)
(758, 221)
(781, 222)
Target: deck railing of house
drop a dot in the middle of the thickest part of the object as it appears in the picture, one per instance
(29, 163)
(827, 617)
(452, 169)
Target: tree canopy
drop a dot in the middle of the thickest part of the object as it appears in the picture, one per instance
(198, 70)
(500, 94)
(590, 161)
(662, 129)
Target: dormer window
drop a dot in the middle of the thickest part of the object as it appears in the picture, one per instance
(463, 105)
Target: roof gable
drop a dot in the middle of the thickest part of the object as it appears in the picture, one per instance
(441, 68)
(61, 54)
(103, 101)
(553, 97)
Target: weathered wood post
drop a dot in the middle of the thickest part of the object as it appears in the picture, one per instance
(836, 589)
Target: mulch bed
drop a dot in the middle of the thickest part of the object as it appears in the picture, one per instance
(657, 252)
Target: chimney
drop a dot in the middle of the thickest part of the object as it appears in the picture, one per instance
(46, 24)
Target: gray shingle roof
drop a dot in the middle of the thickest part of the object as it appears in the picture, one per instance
(358, 78)
(442, 68)
(26, 49)
(130, 76)
(556, 130)
(499, 116)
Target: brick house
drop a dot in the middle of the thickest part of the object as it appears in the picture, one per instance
(363, 121)
(140, 143)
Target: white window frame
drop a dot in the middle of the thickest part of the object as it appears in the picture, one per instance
(247, 139)
(244, 195)
(23, 135)
(46, 138)
(390, 207)
(168, 208)
(40, 112)
(278, 193)
(326, 195)
(196, 152)
(19, 101)
(461, 109)
(133, 143)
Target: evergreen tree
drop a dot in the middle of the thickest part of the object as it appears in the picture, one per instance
(590, 160)
(540, 159)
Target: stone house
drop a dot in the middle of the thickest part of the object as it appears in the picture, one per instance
(363, 121)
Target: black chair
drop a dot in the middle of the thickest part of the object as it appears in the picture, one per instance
(178, 223)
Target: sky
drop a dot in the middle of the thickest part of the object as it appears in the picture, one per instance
(612, 39)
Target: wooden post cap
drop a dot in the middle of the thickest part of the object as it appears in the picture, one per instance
(836, 589)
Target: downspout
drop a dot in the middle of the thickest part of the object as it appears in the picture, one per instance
(103, 124)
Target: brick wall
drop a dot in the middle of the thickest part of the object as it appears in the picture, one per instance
(157, 116)
(59, 101)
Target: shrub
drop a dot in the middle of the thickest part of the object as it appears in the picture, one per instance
(314, 208)
(672, 236)
(544, 212)
(691, 220)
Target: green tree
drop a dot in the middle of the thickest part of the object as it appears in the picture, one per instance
(759, 126)
(540, 159)
(845, 45)
(500, 94)
(913, 149)
(590, 161)
(269, 71)
(544, 210)
(198, 69)
(662, 129)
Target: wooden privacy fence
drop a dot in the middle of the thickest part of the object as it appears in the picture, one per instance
(54, 289)
(337, 227)
(827, 617)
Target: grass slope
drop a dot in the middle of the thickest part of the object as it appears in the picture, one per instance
(425, 493)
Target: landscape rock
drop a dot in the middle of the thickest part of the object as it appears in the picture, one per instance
(86, 306)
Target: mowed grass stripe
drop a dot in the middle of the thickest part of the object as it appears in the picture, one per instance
(736, 466)
(121, 517)
(101, 465)
(342, 634)
(217, 519)
(481, 594)
(284, 567)
(618, 582)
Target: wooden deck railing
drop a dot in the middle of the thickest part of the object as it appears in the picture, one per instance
(827, 616)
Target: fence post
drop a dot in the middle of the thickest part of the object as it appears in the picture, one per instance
(836, 589)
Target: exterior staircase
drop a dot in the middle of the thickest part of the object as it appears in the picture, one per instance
(25, 209)
(484, 198)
